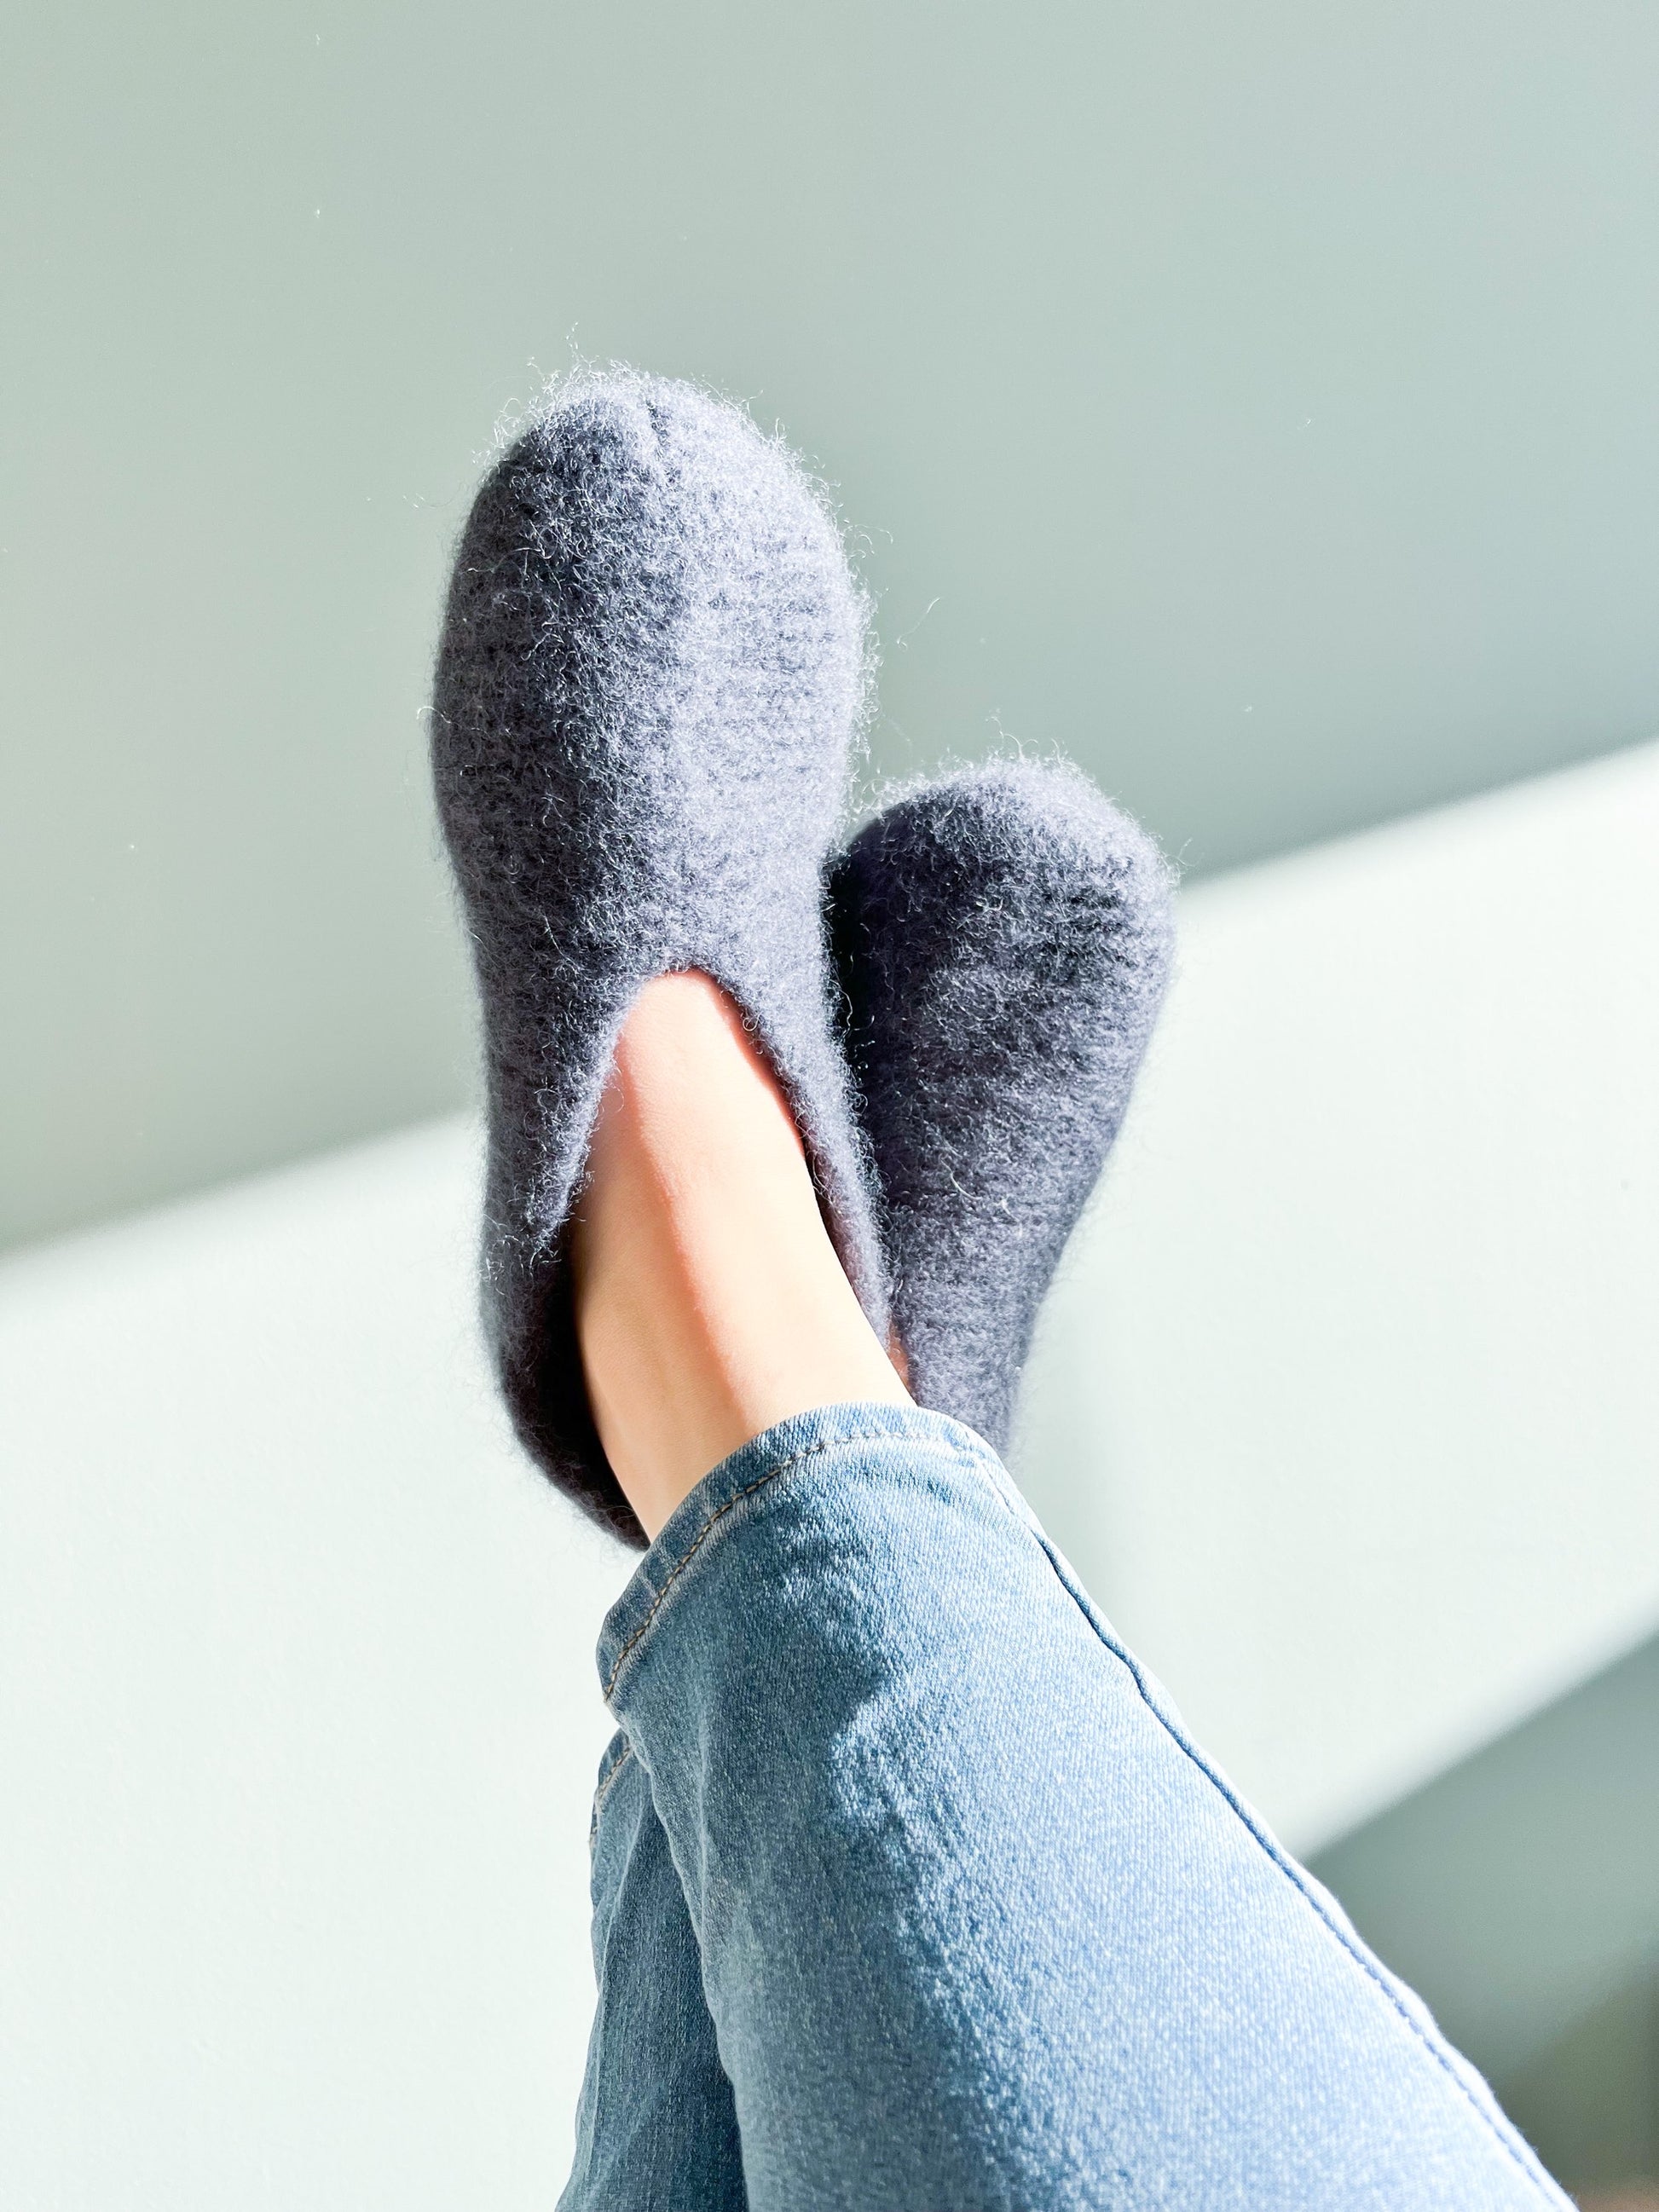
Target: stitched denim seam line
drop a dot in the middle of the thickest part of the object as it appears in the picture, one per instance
(940, 1445)
(826, 1443)
(1287, 1868)
(604, 1791)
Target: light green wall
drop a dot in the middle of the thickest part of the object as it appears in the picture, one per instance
(1591, 2105)
(1256, 401)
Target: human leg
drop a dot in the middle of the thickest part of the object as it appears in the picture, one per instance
(977, 1924)
(1002, 938)
(619, 699)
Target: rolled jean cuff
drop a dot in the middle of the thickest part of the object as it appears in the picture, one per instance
(722, 1500)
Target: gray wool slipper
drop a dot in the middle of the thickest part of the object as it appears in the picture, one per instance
(1003, 938)
(653, 667)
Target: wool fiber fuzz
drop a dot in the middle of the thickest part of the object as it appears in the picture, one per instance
(1004, 939)
(652, 667)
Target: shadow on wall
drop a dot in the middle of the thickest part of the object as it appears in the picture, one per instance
(1591, 2103)
(1519, 1893)
(1255, 401)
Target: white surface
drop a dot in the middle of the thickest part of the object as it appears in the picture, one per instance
(298, 1717)
(1347, 1406)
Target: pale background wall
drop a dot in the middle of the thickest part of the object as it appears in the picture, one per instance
(1344, 1408)
(1346, 1395)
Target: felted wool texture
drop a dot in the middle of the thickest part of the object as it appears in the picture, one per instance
(1004, 939)
(653, 667)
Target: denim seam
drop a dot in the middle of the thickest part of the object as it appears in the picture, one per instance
(1280, 1859)
(826, 1443)
(602, 1794)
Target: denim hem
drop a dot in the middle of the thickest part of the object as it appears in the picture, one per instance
(776, 1451)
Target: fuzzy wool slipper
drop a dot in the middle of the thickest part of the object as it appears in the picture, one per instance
(653, 667)
(1003, 938)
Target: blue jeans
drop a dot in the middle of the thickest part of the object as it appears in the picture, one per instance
(911, 1894)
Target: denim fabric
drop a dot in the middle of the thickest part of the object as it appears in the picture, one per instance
(977, 1925)
(655, 2130)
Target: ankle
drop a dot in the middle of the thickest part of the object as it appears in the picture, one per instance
(710, 1303)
